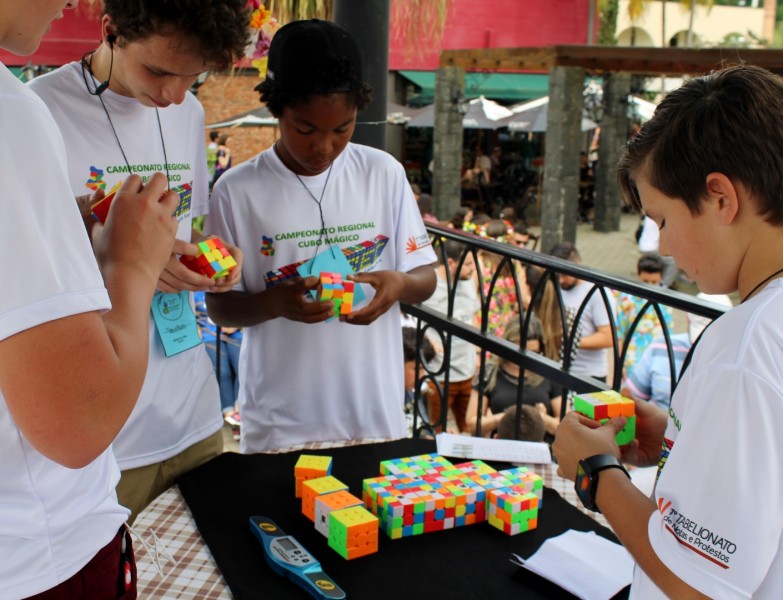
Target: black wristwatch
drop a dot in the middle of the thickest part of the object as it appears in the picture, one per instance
(587, 471)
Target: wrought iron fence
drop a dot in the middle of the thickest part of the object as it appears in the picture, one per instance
(543, 298)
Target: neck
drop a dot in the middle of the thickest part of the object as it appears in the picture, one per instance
(99, 62)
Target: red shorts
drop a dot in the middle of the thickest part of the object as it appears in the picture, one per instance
(104, 577)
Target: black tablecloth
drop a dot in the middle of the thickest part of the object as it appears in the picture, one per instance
(469, 562)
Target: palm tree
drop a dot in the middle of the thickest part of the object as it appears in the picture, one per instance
(691, 6)
(636, 9)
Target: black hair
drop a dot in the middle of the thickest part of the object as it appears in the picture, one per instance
(565, 251)
(531, 424)
(276, 101)
(409, 346)
(219, 28)
(214, 135)
(649, 263)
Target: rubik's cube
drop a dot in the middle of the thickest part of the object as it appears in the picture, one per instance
(309, 466)
(353, 532)
(212, 259)
(427, 493)
(100, 210)
(514, 509)
(312, 488)
(602, 406)
(325, 504)
(331, 286)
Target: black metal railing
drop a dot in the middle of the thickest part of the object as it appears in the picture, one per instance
(511, 263)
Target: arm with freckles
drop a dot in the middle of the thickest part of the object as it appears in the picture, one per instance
(626, 508)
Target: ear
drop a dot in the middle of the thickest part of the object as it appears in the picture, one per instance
(723, 196)
(108, 30)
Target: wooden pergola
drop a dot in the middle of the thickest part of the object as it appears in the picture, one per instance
(567, 66)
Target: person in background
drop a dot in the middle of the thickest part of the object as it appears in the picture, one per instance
(428, 388)
(462, 363)
(595, 321)
(531, 424)
(126, 108)
(73, 345)
(649, 270)
(212, 153)
(501, 388)
(223, 158)
(426, 209)
(650, 379)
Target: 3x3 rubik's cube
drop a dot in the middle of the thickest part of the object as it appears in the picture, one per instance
(212, 259)
(602, 406)
(427, 493)
(331, 286)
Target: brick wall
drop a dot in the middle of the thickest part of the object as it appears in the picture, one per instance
(224, 95)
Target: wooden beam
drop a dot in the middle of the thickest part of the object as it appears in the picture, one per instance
(598, 59)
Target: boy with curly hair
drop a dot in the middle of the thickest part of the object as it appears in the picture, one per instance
(707, 169)
(315, 202)
(126, 108)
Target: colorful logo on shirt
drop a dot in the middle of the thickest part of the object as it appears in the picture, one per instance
(705, 542)
(95, 182)
(185, 192)
(267, 246)
(417, 243)
(666, 448)
(361, 257)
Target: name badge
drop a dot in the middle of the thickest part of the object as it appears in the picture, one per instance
(175, 322)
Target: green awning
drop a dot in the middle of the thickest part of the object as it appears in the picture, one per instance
(509, 87)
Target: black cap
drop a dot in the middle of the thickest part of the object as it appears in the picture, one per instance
(314, 56)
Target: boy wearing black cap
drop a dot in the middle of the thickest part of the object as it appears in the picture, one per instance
(316, 196)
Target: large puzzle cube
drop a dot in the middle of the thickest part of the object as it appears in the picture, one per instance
(310, 466)
(427, 493)
(328, 503)
(353, 532)
(312, 488)
(602, 406)
(331, 286)
(212, 259)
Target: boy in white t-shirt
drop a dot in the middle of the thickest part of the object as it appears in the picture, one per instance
(707, 169)
(126, 108)
(70, 368)
(304, 377)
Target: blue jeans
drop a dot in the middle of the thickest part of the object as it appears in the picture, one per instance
(228, 378)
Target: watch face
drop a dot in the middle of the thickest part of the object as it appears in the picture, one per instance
(582, 486)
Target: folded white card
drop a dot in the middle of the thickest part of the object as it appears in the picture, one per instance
(583, 563)
(463, 446)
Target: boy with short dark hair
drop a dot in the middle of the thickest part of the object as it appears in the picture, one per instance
(707, 169)
(316, 203)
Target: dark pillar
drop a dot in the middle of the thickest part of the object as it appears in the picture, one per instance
(368, 22)
(447, 140)
(561, 157)
(614, 133)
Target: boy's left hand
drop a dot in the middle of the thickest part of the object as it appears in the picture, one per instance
(388, 286)
(579, 437)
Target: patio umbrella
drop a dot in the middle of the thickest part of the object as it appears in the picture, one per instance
(532, 116)
(480, 114)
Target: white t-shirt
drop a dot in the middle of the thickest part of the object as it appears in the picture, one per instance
(720, 489)
(52, 519)
(179, 403)
(595, 315)
(326, 381)
(462, 365)
(648, 241)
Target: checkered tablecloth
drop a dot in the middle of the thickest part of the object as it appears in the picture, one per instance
(195, 574)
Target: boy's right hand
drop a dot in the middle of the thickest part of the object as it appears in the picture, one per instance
(645, 450)
(140, 227)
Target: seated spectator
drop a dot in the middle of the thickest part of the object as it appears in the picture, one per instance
(650, 379)
(649, 269)
(464, 214)
(502, 385)
(531, 424)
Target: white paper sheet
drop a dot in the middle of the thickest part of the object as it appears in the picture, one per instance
(463, 446)
(583, 563)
